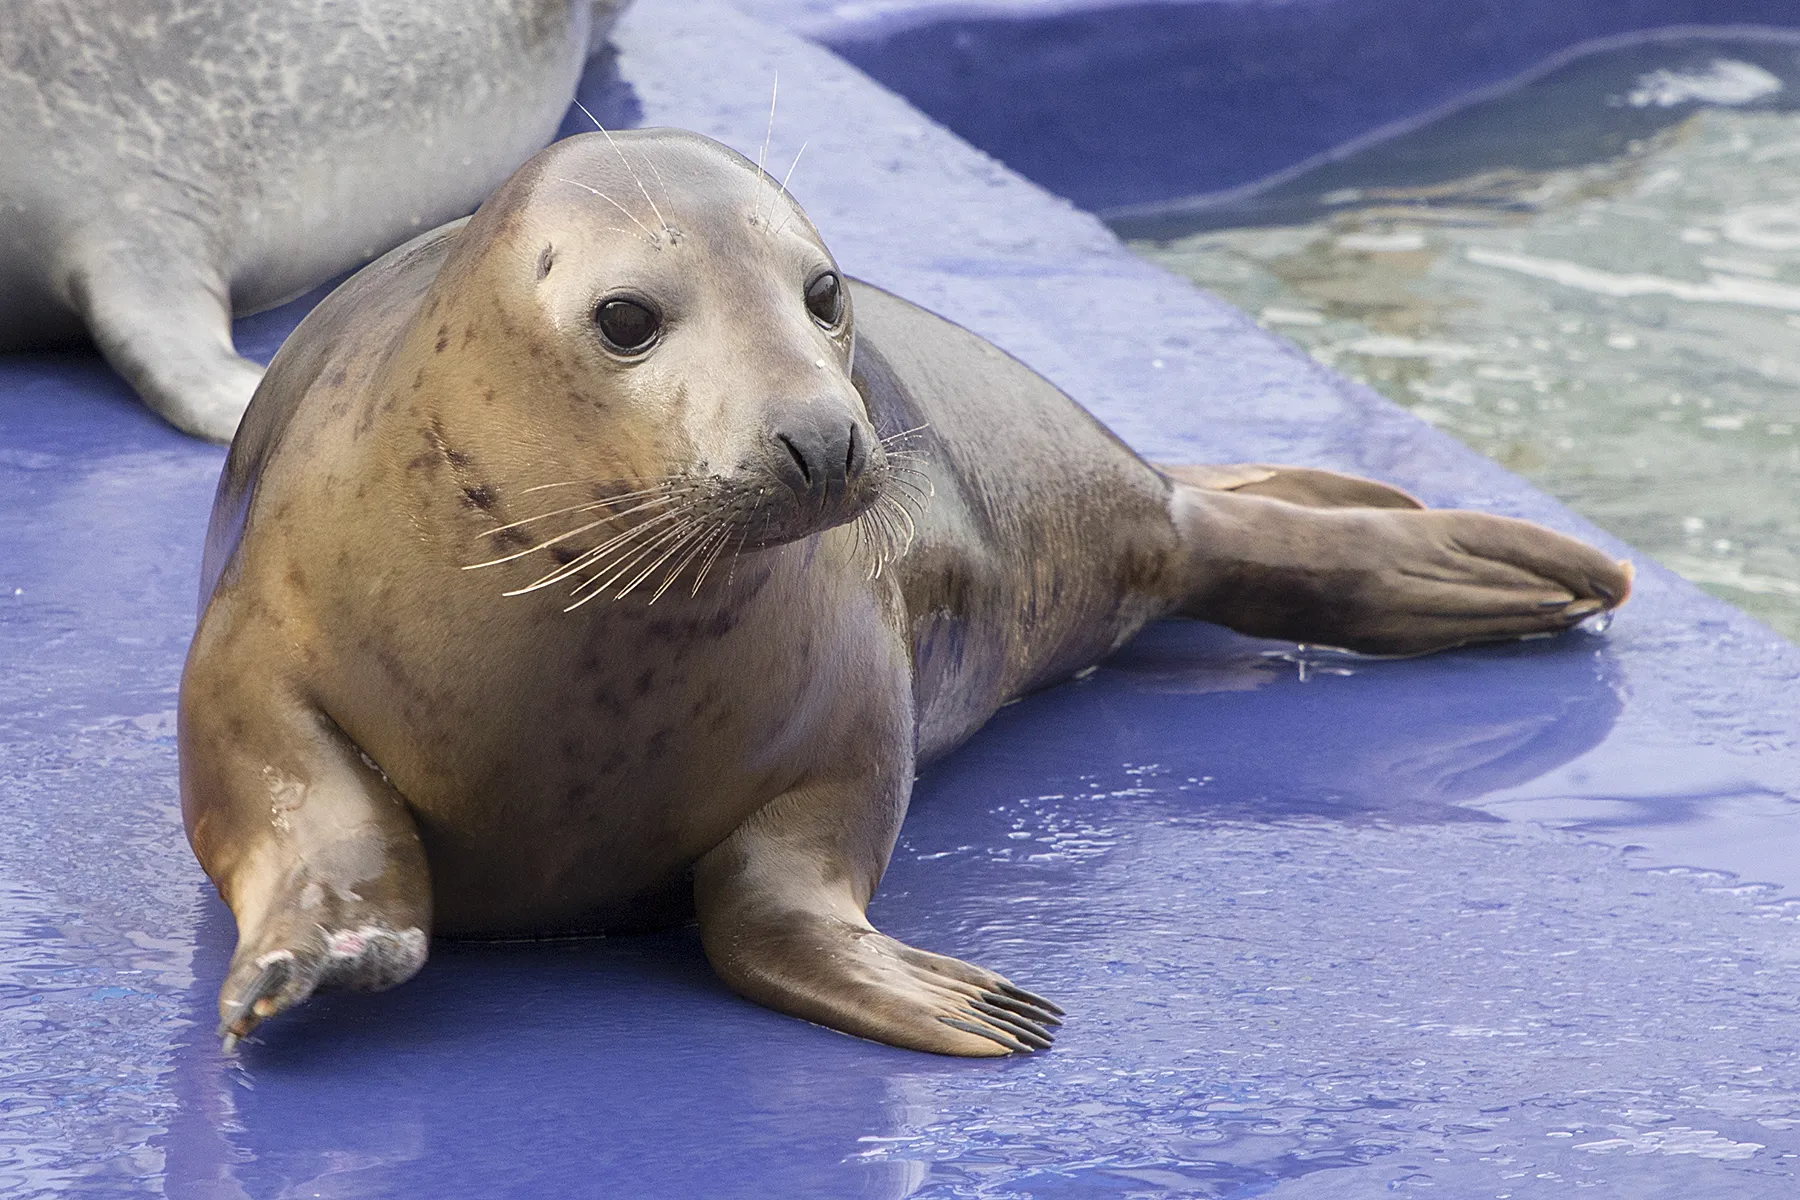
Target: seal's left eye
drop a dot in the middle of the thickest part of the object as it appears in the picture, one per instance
(627, 326)
(825, 299)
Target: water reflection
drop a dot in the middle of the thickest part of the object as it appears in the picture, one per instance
(1240, 729)
(1593, 278)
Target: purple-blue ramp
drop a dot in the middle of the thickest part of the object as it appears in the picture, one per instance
(1305, 950)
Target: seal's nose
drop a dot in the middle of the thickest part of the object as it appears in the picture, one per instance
(820, 459)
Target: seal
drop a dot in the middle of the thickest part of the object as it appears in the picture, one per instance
(168, 163)
(610, 554)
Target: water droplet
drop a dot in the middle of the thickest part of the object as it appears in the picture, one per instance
(1599, 623)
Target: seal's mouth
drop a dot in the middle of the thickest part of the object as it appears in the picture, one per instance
(620, 539)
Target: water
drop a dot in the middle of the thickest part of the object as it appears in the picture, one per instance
(1594, 278)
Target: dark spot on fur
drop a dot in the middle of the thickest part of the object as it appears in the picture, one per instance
(580, 794)
(418, 380)
(481, 496)
(421, 461)
(1142, 569)
(511, 537)
(487, 397)
(613, 763)
(563, 555)
(443, 338)
(645, 680)
(657, 746)
(606, 702)
(296, 578)
(680, 633)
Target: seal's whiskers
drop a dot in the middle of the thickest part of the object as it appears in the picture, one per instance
(587, 506)
(610, 573)
(694, 529)
(699, 546)
(619, 543)
(562, 537)
(711, 558)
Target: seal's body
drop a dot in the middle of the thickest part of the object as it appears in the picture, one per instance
(610, 549)
(169, 163)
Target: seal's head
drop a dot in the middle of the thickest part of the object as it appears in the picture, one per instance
(648, 321)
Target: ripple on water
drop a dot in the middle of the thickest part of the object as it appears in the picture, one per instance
(1594, 279)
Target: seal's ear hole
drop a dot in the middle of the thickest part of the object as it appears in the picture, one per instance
(825, 299)
(627, 326)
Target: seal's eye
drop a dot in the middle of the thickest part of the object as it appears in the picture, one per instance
(825, 299)
(627, 326)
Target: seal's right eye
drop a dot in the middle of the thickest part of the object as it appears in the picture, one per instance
(627, 326)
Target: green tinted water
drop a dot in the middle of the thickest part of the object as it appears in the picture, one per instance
(1605, 298)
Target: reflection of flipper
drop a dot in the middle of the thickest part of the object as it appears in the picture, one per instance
(1387, 578)
(781, 916)
(166, 327)
(1310, 486)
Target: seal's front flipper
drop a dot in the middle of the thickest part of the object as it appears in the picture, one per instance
(781, 916)
(309, 844)
(166, 327)
(1382, 580)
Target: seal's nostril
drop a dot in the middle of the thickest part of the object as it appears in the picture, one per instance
(799, 458)
(853, 456)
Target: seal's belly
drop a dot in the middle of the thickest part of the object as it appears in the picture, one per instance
(560, 769)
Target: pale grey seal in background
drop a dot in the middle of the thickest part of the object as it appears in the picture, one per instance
(757, 542)
(165, 164)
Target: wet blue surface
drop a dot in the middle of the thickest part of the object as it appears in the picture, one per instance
(1466, 926)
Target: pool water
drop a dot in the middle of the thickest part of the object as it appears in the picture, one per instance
(1593, 277)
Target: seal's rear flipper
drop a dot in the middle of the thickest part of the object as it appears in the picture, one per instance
(166, 328)
(1393, 579)
(1311, 486)
(781, 916)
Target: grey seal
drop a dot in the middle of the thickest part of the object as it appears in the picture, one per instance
(168, 164)
(611, 556)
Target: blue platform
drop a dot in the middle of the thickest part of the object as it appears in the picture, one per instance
(1507, 922)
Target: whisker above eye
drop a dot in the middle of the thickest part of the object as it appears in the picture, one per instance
(595, 191)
